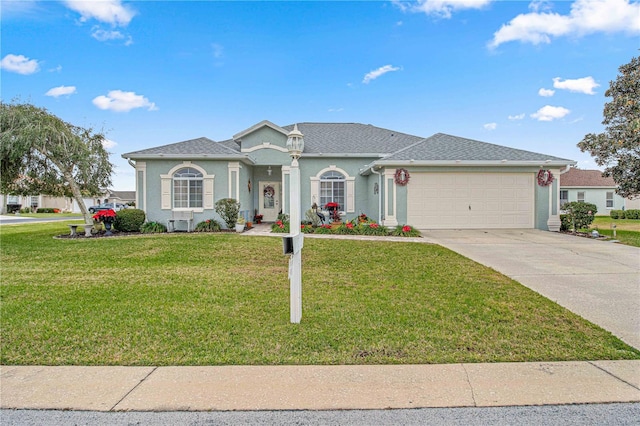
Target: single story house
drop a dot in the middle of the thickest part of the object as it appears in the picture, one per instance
(591, 187)
(441, 181)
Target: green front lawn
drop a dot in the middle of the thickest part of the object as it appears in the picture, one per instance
(210, 299)
(627, 230)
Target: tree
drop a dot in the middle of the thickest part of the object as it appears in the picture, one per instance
(618, 148)
(41, 154)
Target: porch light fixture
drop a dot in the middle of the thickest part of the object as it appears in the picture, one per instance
(295, 143)
(269, 171)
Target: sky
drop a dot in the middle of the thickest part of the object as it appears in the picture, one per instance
(525, 74)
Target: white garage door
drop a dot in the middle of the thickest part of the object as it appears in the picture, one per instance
(470, 200)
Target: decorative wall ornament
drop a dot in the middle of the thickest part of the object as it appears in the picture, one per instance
(545, 177)
(376, 188)
(249, 185)
(402, 177)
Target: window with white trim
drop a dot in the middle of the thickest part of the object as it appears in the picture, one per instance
(564, 197)
(581, 196)
(187, 188)
(332, 189)
(609, 199)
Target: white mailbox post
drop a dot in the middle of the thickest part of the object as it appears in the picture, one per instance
(295, 146)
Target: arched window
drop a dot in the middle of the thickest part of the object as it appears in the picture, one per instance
(187, 188)
(332, 189)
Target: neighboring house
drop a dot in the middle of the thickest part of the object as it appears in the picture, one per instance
(10, 202)
(591, 187)
(441, 181)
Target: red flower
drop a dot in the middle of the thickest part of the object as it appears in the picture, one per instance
(104, 215)
(406, 228)
(302, 226)
(350, 225)
(373, 225)
(331, 205)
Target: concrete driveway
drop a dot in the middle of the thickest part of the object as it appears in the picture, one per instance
(597, 280)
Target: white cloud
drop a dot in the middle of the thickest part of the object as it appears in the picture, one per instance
(546, 92)
(440, 8)
(20, 64)
(56, 69)
(516, 117)
(108, 11)
(586, 17)
(550, 113)
(372, 75)
(108, 143)
(490, 126)
(61, 91)
(119, 101)
(335, 109)
(104, 35)
(581, 85)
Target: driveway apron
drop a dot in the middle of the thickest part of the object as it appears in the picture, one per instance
(597, 280)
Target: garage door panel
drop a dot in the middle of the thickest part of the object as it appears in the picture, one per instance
(471, 200)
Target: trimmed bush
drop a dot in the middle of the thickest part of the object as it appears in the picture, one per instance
(153, 228)
(565, 222)
(209, 225)
(46, 210)
(580, 214)
(129, 220)
(617, 214)
(632, 214)
(228, 209)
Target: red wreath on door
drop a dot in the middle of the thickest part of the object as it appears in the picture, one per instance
(401, 177)
(545, 177)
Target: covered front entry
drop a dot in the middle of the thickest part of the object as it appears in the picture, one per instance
(470, 200)
(269, 202)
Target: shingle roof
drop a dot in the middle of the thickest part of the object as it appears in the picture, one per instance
(442, 147)
(585, 178)
(193, 147)
(351, 138)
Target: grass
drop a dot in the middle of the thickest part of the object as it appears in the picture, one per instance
(49, 215)
(212, 299)
(627, 230)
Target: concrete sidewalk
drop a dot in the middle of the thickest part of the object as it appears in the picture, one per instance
(317, 387)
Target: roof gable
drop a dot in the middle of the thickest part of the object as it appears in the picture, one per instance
(260, 125)
(586, 178)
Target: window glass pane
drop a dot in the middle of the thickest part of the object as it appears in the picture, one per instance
(581, 196)
(610, 199)
(187, 188)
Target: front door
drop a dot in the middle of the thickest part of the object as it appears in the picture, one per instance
(269, 201)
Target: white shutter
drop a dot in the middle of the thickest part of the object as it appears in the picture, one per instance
(351, 185)
(208, 193)
(166, 194)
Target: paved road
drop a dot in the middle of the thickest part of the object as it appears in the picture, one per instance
(597, 280)
(566, 415)
(12, 219)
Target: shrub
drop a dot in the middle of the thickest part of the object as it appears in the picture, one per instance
(580, 214)
(405, 231)
(45, 210)
(617, 214)
(565, 222)
(280, 226)
(129, 220)
(25, 210)
(313, 218)
(323, 229)
(306, 229)
(209, 225)
(346, 229)
(153, 228)
(632, 214)
(228, 209)
(372, 228)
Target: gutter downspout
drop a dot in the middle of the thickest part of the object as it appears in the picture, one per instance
(379, 194)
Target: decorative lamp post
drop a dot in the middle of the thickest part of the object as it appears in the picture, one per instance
(295, 146)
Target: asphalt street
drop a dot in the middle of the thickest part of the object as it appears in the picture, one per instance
(566, 415)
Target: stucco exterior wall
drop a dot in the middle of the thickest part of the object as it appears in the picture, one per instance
(597, 196)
